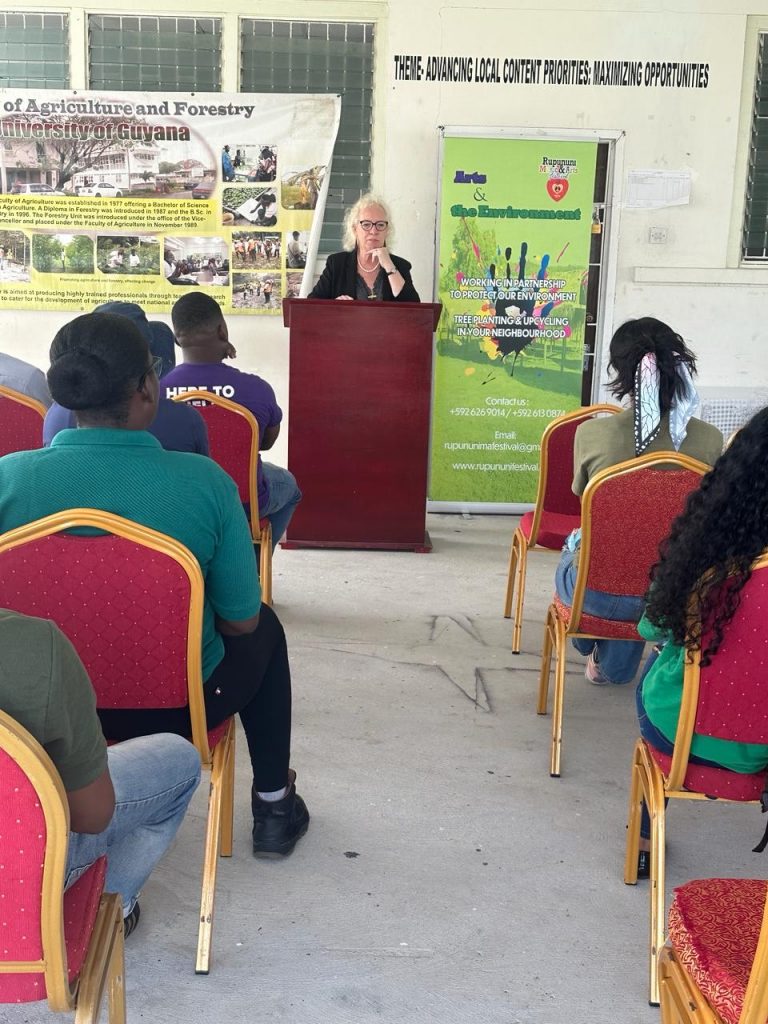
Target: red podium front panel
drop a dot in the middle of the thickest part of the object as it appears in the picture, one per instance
(358, 433)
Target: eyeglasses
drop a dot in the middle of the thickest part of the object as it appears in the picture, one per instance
(154, 367)
(370, 225)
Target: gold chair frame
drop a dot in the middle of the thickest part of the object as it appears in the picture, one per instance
(104, 963)
(521, 545)
(221, 761)
(683, 1003)
(648, 783)
(557, 633)
(262, 537)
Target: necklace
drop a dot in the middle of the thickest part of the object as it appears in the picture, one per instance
(368, 270)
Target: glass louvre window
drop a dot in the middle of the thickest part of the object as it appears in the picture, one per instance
(34, 50)
(319, 56)
(754, 245)
(152, 54)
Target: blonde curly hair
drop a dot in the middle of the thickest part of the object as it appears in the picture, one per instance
(349, 240)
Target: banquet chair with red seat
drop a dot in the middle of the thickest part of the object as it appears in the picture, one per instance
(727, 699)
(130, 599)
(557, 510)
(63, 946)
(626, 512)
(714, 968)
(21, 422)
(233, 437)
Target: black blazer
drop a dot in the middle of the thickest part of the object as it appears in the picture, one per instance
(340, 278)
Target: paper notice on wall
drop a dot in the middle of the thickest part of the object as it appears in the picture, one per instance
(654, 189)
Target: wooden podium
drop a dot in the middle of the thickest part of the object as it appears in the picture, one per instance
(358, 431)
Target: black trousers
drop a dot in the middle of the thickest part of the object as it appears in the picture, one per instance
(254, 681)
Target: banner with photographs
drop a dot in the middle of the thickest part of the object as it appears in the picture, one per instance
(515, 222)
(138, 197)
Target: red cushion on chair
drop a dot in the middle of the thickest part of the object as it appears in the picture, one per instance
(554, 527)
(216, 735)
(717, 782)
(714, 925)
(81, 904)
(606, 629)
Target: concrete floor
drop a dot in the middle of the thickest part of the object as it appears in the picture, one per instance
(445, 877)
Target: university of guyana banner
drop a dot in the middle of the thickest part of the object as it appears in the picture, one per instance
(142, 196)
(515, 226)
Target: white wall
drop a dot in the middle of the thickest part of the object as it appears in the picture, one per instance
(694, 280)
(675, 129)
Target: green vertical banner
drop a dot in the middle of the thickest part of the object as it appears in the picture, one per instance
(515, 230)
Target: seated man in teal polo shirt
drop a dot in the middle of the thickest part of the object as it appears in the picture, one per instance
(102, 368)
(126, 802)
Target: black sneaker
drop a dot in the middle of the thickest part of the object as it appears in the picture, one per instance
(279, 824)
(131, 920)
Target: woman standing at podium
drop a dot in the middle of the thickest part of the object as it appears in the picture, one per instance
(366, 269)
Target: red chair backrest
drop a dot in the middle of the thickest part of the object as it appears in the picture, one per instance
(630, 514)
(733, 688)
(556, 460)
(230, 438)
(21, 426)
(124, 606)
(23, 837)
(558, 496)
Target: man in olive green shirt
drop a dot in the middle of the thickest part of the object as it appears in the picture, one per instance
(126, 801)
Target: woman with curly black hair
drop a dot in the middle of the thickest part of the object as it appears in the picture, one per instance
(704, 565)
(652, 367)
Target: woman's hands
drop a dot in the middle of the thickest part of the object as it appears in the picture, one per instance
(384, 258)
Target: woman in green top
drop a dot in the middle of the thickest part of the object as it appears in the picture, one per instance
(723, 529)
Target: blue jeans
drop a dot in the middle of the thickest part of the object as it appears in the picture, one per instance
(154, 778)
(657, 739)
(284, 496)
(619, 659)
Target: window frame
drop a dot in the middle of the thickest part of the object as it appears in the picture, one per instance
(230, 13)
(752, 270)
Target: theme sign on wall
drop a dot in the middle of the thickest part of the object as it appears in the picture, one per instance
(140, 197)
(515, 227)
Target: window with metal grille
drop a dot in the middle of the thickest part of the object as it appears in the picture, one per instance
(152, 54)
(754, 246)
(319, 56)
(34, 50)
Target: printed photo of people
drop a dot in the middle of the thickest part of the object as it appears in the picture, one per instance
(256, 291)
(296, 249)
(248, 163)
(196, 261)
(62, 254)
(250, 206)
(14, 256)
(255, 250)
(265, 167)
(128, 254)
(300, 189)
(293, 286)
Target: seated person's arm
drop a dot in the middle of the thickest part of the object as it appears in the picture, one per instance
(91, 808)
(269, 437)
(580, 474)
(74, 740)
(240, 628)
(232, 578)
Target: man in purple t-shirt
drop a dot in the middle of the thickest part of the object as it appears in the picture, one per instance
(201, 333)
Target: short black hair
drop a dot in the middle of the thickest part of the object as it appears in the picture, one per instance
(97, 361)
(195, 310)
(637, 338)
